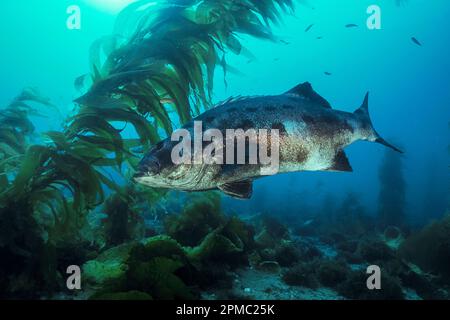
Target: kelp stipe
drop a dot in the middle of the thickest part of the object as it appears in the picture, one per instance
(164, 61)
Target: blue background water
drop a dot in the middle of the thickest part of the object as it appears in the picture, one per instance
(409, 85)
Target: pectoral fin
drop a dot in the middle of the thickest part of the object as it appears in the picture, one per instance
(239, 189)
(341, 163)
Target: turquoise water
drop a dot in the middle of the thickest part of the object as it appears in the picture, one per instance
(409, 85)
(409, 88)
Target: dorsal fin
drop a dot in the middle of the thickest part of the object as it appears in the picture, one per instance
(341, 163)
(306, 90)
(364, 109)
(229, 100)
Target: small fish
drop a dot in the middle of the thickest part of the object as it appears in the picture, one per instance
(309, 27)
(319, 38)
(313, 137)
(276, 59)
(285, 42)
(416, 41)
(351, 25)
(328, 73)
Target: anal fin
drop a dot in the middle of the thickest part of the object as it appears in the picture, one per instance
(341, 163)
(240, 189)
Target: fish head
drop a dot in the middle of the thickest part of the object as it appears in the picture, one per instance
(158, 170)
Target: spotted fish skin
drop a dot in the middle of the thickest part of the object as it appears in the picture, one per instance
(312, 138)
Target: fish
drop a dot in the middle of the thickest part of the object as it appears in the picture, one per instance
(312, 137)
(328, 73)
(413, 39)
(309, 27)
(319, 38)
(351, 25)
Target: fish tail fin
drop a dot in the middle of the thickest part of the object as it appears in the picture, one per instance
(363, 114)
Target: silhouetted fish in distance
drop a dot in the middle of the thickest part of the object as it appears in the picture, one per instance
(416, 41)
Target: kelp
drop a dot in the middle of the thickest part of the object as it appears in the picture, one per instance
(16, 128)
(161, 61)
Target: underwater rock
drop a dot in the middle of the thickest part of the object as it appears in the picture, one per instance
(221, 251)
(229, 244)
(215, 247)
(351, 258)
(308, 251)
(308, 228)
(349, 246)
(154, 267)
(373, 251)
(333, 237)
(332, 272)
(413, 277)
(269, 266)
(196, 221)
(347, 250)
(430, 247)
(158, 278)
(110, 265)
(270, 233)
(302, 274)
(265, 240)
(287, 254)
(355, 287)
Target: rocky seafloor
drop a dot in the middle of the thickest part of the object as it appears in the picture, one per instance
(203, 253)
